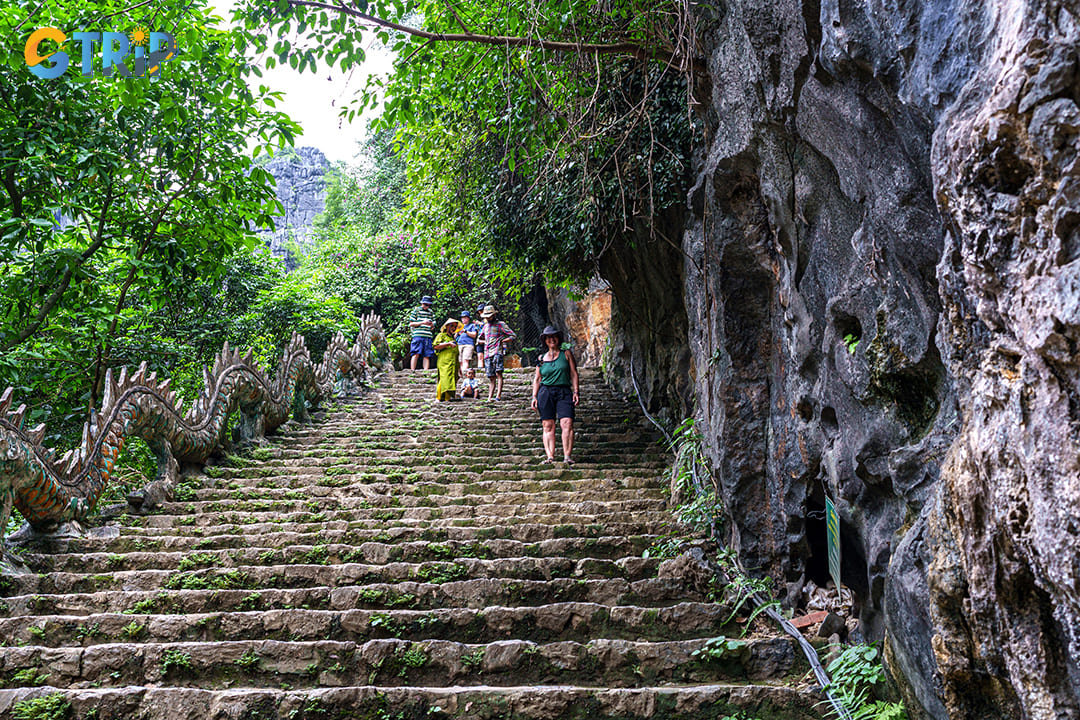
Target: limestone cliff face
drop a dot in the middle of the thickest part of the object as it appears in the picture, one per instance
(881, 290)
(587, 321)
(301, 189)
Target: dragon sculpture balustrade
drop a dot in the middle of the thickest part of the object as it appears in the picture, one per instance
(48, 490)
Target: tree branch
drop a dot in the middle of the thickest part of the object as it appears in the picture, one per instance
(52, 301)
(623, 48)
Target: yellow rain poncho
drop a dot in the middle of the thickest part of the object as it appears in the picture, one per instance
(447, 362)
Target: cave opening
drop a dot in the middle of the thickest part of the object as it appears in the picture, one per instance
(817, 560)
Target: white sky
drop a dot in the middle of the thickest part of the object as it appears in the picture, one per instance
(314, 99)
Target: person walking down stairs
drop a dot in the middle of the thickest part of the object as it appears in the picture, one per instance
(555, 393)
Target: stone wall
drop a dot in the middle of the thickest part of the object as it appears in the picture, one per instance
(879, 300)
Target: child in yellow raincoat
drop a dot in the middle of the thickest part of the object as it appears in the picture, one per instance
(446, 351)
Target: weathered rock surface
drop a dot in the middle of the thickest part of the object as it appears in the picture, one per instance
(882, 290)
(301, 189)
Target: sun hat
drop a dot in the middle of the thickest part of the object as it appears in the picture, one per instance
(489, 311)
(450, 321)
(426, 300)
(550, 331)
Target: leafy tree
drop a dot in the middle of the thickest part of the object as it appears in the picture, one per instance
(535, 134)
(118, 196)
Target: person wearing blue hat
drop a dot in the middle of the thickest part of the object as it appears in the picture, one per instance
(422, 324)
(466, 340)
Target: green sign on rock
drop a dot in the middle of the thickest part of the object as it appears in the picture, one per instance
(832, 522)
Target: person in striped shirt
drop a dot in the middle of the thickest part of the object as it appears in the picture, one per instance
(497, 336)
(422, 324)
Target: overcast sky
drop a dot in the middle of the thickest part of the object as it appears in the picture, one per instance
(313, 100)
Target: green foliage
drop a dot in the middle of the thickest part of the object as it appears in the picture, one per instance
(691, 476)
(856, 674)
(176, 661)
(363, 254)
(851, 342)
(720, 648)
(439, 573)
(46, 707)
(474, 659)
(386, 623)
(249, 661)
(197, 560)
(664, 548)
(118, 193)
(518, 159)
(29, 676)
(742, 589)
(413, 657)
(134, 630)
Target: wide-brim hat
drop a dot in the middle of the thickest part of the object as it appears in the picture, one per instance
(489, 311)
(550, 331)
(426, 300)
(451, 321)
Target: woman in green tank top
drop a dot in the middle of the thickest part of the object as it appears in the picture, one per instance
(555, 393)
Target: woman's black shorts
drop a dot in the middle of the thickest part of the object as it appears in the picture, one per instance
(555, 401)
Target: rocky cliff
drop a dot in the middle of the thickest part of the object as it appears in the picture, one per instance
(301, 189)
(880, 302)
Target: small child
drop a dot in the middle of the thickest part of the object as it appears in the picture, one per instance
(469, 386)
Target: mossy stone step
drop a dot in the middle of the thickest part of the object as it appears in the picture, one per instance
(530, 702)
(386, 494)
(475, 594)
(498, 505)
(523, 532)
(579, 622)
(536, 527)
(313, 569)
(243, 553)
(113, 551)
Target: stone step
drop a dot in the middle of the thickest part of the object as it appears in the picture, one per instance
(393, 662)
(111, 550)
(522, 480)
(579, 622)
(481, 593)
(312, 569)
(359, 508)
(530, 702)
(397, 543)
(387, 494)
(242, 552)
(385, 532)
(529, 528)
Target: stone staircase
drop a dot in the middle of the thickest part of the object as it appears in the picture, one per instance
(396, 559)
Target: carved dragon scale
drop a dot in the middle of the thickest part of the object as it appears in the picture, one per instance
(48, 490)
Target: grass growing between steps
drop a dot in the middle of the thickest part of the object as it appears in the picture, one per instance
(46, 707)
